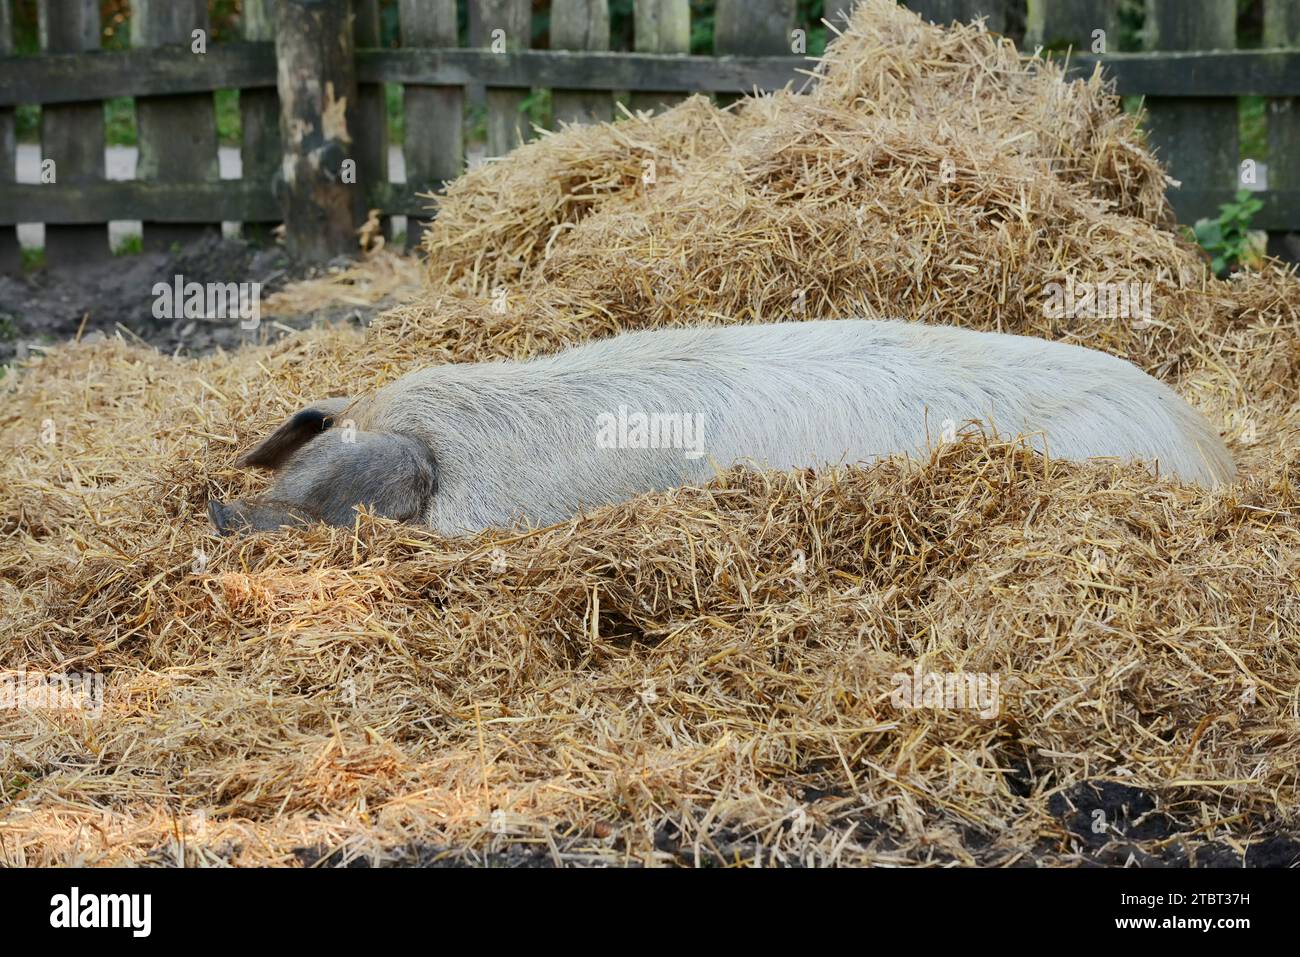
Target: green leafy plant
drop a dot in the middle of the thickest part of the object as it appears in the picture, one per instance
(537, 105)
(1229, 239)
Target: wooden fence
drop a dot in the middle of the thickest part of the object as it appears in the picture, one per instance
(328, 51)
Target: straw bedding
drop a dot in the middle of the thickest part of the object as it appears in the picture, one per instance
(704, 675)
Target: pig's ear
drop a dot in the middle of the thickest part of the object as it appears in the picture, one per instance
(296, 432)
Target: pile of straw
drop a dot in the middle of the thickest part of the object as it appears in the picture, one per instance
(709, 674)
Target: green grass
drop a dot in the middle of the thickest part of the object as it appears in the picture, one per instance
(119, 121)
(130, 246)
(393, 103)
(229, 123)
(1252, 122)
(33, 259)
(27, 123)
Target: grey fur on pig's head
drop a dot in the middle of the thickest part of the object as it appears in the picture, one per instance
(324, 473)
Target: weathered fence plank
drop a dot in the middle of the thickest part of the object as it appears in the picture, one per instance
(1196, 138)
(506, 26)
(318, 95)
(162, 72)
(583, 71)
(754, 27)
(10, 254)
(580, 25)
(945, 12)
(1199, 73)
(660, 26)
(66, 79)
(259, 114)
(1282, 29)
(1058, 24)
(434, 116)
(177, 135)
(369, 121)
(161, 202)
(72, 134)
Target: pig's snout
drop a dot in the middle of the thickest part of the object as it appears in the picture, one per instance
(256, 515)
(223, 518)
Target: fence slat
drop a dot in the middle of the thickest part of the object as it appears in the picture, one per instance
(72, 134)
(580, 25)
(1282, 29)
(1196, 138)
(945, 12)
(434, 116)
(756, 27)
(259, 113)
(177, 135)
(10, 255)
(369, 122)
(1057, 24)
(317, 82)
(660, 26)
(508, 21)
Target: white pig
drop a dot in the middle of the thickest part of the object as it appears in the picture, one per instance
(461, 448)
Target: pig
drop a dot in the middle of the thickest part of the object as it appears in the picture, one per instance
(462, 448)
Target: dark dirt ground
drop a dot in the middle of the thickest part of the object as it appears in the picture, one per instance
(116, 295)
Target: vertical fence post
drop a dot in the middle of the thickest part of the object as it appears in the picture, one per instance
(1197, 138)
(11, 259)
(1057, 24)
(754, 28)
(177, 135)
(370, 129)
(72, 134)
(507, 126)
(259, 111)
(1282, 29)
(434, 116)
(316, 81)
(580, 25)
(660, 26)
(945, 12)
